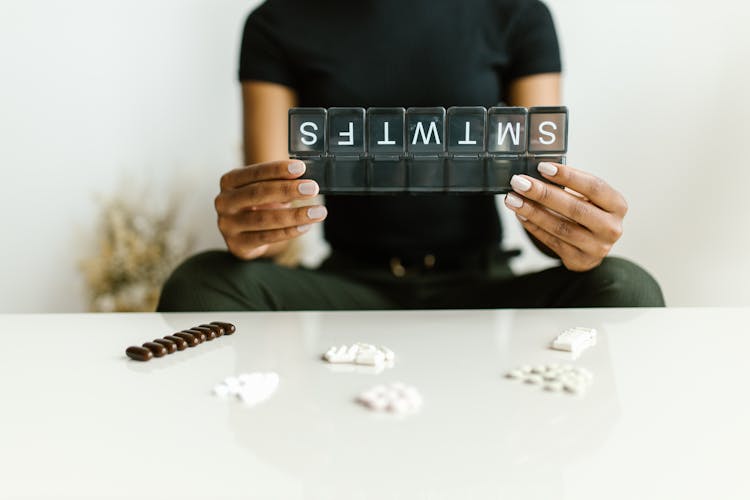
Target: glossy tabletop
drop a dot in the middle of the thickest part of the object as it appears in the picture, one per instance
(667, 416)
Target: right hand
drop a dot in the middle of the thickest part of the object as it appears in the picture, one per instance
(254, 207)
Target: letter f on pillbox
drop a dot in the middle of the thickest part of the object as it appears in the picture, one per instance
(426, 130)
(346, 131)
(307, 132)
(548, 130)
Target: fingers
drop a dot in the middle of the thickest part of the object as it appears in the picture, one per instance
(250, 244)
(282, 169)
(573, 258)
(570, 205)
(264, 192)
(563, 228)
(595, 189)
(264, 220)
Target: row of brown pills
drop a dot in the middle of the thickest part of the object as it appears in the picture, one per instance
(180, 341)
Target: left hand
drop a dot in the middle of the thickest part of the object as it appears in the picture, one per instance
(579, 223)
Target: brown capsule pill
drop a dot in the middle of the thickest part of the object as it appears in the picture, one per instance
(139, 353)
(171, 346)
(191, 341)
(197, 334)
(229, 328)
(210, 334)
(180, 343)
(157, 350)
(218, 331)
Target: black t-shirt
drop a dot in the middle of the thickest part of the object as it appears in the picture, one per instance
(401, 53)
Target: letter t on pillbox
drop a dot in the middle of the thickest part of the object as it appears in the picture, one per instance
(466, 134)
(307, 141)
(346, 142)
(386, 146)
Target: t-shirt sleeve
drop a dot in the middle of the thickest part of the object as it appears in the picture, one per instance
(262, 55)
(532, 42)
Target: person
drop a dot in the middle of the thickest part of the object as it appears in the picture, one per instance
(402, 252)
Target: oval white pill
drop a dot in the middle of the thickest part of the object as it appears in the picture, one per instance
(534, 379)
(553, 386)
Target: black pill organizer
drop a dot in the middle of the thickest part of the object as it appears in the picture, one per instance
(468, 149)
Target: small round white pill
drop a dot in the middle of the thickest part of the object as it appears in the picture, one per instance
(514, 374)
(539, 369)
(525, 368)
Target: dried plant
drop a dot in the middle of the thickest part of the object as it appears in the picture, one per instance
(138, 246)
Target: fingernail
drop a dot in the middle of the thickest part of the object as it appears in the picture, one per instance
(316, 212)
(521, 217)
(547, 168)
(308, 188)
(520, 183)
(303, 229)
(513, 200)
(296, 168)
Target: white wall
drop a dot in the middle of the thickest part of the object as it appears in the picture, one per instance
(94, 93)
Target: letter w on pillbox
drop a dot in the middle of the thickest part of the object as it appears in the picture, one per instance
(387, 150)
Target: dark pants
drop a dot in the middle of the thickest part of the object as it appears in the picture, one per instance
(217, 281)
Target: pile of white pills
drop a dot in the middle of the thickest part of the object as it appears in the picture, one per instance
(397, 398)
(360, 354)
(554, 377)
(251, 388)
(575, 340)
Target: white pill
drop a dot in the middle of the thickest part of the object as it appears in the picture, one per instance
(533, 379)
(232, 381)
(553, 386)
(514, 374)
(221, 390)
(525, 368)
(538, 369)
(378, 404)
(553, 367)
(389, 355)
(272, 378)
(550, 375)
(399, 406)
(573, 387)
(372, 358)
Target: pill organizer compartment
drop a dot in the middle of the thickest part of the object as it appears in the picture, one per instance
(315, 169)
(347, 175)
(466, 174)
(500, 169)
(387, 175)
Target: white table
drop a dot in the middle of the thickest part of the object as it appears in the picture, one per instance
(667, 417)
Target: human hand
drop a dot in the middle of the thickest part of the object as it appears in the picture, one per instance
(579, 223)
(254, 206)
